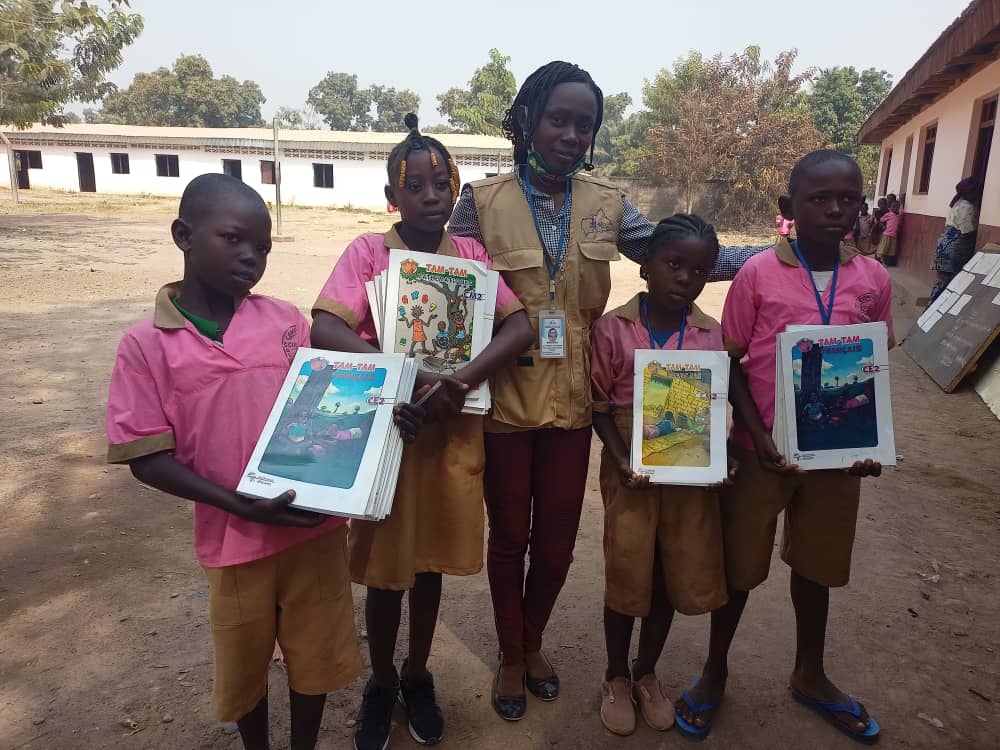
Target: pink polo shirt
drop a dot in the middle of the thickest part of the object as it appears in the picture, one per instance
(615, 337)
(772, 291)
(891, 220)
(172, 389)
(344, 293)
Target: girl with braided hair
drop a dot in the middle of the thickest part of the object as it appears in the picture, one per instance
(437, 520)
(662, 544)
(552, 232)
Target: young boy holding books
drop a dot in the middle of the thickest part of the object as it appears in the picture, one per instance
(190, 392)
(815, 280)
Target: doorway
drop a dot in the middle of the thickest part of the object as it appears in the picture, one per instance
(85, 171)
(233, 168)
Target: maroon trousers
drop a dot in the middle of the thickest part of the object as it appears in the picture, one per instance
(535, 482)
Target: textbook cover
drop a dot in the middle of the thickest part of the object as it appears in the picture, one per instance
(330, 435)
(439, 310)
(679, 417)
(832, 399)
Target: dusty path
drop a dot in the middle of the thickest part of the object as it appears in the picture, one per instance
(103, 635)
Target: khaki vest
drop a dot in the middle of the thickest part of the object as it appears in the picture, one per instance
(538, 392)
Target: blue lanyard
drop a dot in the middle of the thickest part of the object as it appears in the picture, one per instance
(652, 334)
(827, 313)
(553, 261)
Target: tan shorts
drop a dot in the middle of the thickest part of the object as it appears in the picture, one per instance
(821, 513)
(681, 524)
(887, 247)
(438, 518)
(301, 597)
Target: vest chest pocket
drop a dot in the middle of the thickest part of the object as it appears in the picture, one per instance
(595, 275)
(520, 267)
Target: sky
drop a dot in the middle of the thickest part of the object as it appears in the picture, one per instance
(287, 47)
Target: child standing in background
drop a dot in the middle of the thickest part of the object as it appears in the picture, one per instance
(892, 220)
(783, 224)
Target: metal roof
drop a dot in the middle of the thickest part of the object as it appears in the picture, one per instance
(244, 137)
(969, 44)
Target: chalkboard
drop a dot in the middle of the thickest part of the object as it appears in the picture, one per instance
(953, 333)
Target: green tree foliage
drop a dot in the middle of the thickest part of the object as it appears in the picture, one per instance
(306, 118)
(345, 106)
(481, 107)
(740, 121)
(840, 102)
(391, 106)
(341, 103)
(186, 96)
(52, 53)
(615, 137)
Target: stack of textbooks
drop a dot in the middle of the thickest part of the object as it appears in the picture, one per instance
(437, 310)
(831, 396)
(679, 416)
(330, 435)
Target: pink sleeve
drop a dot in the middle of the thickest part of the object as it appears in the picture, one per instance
(303, 329)
(740, 312)
(883, 306)
(136, 423)
(605, 362)
(344, 293)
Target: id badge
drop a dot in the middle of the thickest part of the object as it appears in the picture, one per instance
(552, 334)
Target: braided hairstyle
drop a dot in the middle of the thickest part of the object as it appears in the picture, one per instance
(534, 93)
(677, 227)
(415, 141)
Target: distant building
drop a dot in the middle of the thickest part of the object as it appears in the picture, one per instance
(936, 127)
(318, 167)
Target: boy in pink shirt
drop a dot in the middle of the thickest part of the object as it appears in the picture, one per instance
(662, 545)
(781, 222)
(190, 392)
(815, 280)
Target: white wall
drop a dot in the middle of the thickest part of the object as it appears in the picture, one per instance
(953, 151)
(356, 183)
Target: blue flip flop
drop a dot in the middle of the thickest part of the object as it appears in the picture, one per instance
(829, 709)
(689, 730)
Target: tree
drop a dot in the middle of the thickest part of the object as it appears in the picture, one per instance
(52, 53)
(740, 121)
(481, 107)
(186, 96)
(391, 106)
(840, 102)
(341, 103)
(306, 118)
(611, 138)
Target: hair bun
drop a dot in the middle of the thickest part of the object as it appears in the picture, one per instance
(411, 121)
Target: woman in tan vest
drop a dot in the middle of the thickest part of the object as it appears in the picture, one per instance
(551, 232)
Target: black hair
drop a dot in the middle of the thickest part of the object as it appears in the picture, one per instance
(534, 93)
(681, 226)
(416, 141)
(207, 191)
(814, 159)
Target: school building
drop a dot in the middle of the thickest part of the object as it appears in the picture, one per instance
(318, 167)
(936, 127)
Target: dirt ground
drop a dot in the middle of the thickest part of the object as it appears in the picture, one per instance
(103, 611)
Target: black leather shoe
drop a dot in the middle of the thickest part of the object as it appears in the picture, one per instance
(544, 688)
(508, 708)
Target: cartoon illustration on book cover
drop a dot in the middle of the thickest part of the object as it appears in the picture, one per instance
(436, 292)
(676, 415)
(324, 427)
(834, 383)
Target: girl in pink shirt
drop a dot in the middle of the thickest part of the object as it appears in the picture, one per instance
(437, 519)
(662, 545)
